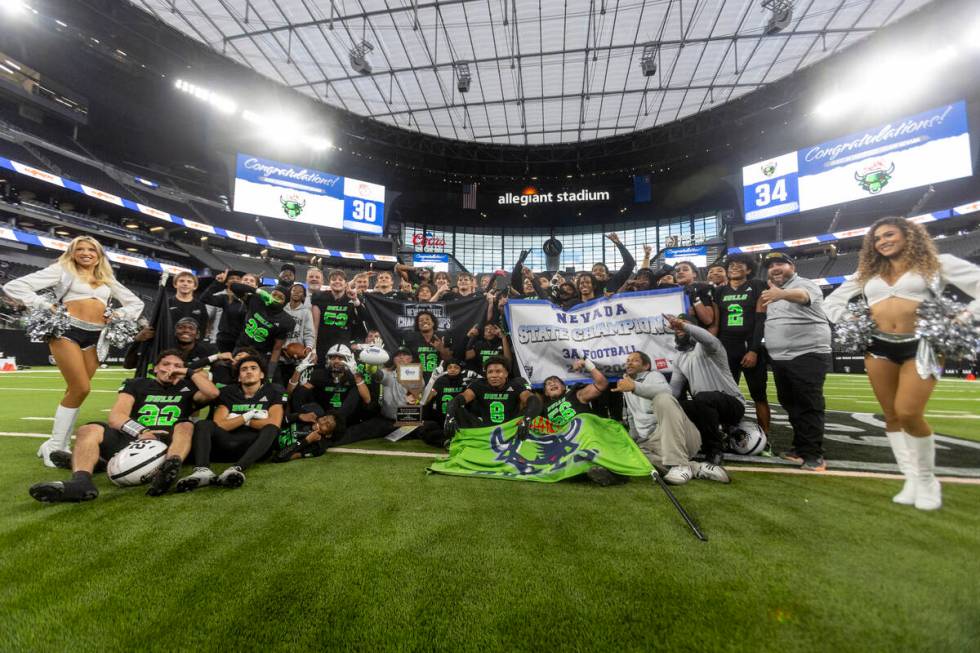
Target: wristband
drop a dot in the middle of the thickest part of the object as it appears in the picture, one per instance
(589, 365)
(132, 428)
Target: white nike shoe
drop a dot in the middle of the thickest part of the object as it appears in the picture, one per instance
(47, 448)
(710, 472)
(200, 477)
(678, 475)
(231, 477)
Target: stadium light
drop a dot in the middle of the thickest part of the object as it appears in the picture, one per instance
(223, 104)
(319, 144)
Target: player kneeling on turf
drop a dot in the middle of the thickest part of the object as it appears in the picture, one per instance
(146, 409)
(246, 422)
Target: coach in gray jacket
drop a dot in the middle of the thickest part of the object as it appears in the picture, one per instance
(701, 369)
(798, 342)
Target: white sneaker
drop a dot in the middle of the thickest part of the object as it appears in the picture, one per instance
(710, 472)
(678, 475)
(45, 450)
(200, 477)
(231, 477)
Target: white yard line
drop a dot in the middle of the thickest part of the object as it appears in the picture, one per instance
(61, 390)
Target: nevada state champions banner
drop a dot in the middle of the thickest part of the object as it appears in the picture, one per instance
(547, 339)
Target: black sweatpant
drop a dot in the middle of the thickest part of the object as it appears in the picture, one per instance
(243, 446)
(373, 427)
(709, 411)
(799, 388)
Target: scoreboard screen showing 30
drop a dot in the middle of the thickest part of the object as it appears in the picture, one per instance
(288, 192)
(918, 150)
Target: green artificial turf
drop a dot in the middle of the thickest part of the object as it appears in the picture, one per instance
(366, 552)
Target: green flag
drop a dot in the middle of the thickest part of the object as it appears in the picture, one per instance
(548, 454)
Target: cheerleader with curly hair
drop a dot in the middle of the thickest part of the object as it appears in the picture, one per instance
(82, 280)
(898, 269)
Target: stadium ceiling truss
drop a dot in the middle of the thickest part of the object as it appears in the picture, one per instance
(538, 71)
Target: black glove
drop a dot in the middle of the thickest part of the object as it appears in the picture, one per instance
(524, 428)
(450, 427)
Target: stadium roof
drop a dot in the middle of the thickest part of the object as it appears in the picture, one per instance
(545, 71)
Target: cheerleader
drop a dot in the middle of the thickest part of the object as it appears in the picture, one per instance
(898, 268)
(83, 282)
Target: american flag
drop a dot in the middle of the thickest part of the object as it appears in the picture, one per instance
(469, 196)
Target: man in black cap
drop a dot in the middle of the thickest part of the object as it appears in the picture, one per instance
(798, 341)
(287, 277)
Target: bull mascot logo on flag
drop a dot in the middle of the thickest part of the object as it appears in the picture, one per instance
(552, 452)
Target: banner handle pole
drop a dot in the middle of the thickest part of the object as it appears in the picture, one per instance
(670, 495)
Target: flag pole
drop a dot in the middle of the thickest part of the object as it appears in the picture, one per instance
(670, 495)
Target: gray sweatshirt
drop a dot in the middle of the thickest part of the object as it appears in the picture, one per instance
(794, 329)
(639, 404)
(704, 368)
(303, 332)
(393, 393)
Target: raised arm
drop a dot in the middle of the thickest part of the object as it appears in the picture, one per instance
(599, 383)
(965, 276)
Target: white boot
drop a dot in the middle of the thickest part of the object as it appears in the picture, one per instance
(64, 425)
(903, 456)
(928, 494)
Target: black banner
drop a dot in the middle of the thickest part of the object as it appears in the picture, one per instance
(396, 319)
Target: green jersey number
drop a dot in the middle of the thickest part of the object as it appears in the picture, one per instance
(735, 315)
(496, 412)
(560, 412)
(428, 360)
(335, 319)
(151, 415)
(255, 332)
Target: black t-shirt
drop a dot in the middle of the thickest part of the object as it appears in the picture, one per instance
(446, 387)
(268, 395)
(264, 325)
(562, 410)
(194, 309)
(496, 406)
(232, 310)
(736, 309)
(160, 406)
(330, 391)
(200, 350)
(485, 349)
(339, 321)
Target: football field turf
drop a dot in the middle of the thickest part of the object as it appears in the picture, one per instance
(353, 551)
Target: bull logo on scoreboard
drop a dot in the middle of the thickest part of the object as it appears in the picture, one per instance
(875, 177)
(769, 169)
(291, 205)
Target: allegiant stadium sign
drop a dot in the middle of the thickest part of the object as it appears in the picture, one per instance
(532, 196)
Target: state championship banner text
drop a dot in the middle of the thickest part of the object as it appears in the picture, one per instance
(547, 339)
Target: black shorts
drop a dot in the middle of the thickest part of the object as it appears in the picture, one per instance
(114, 440)
(82, 337)
(756, 378)
(896, 352)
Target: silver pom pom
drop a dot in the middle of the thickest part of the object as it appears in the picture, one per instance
(853, 332)
(44, 323)
(121, 333)
(949, 328)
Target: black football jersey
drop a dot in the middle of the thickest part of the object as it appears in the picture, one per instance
(160, 406)
(194, 309)
(498, 405)
(426, 354)
(339, 321)
(485, 349)
(736, 309)
(329, 391)
(267, 396)
(563, 409)
(264, 326)
(446, 387)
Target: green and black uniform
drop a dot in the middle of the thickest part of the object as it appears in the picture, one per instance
(741, 330)
(340, 323)
(484, 349)
(265, 321)
(157, 406)
(426, 354)
(245, 445)
(562, 410)
(497, 405)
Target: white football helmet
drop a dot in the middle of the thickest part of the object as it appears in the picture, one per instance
(344, 352)
(747, 439)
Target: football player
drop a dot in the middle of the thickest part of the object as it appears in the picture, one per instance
(496, 399)
(146, 409)
(246, 422)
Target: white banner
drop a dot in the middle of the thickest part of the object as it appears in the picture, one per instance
(548, 339)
